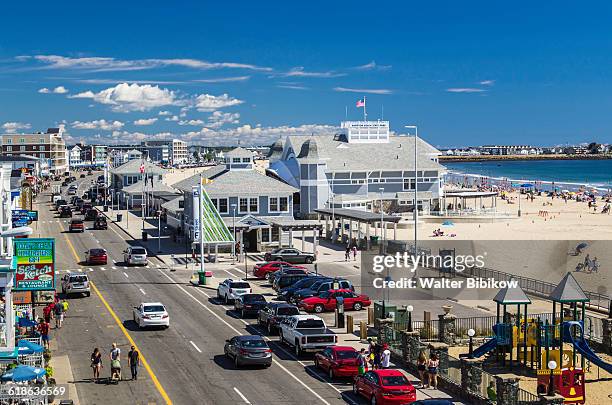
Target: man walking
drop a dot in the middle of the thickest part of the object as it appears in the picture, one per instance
(66, 306)
(134, 362)
(58, 311)
(43, 328)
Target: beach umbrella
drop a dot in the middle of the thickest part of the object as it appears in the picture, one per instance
(448, 223)
(582, 246)
(526, 185)
(23, 373)
(27, 347)
(27, 323)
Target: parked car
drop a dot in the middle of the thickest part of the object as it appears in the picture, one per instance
(75, 283)
(261, 270)
(72, 191)
(91, 214)
(76, 225)
(135, 255)
(249, 304)
(287, 280)
(100, 223)
(286, 293)
(338, 361)
(319, 287)
(96, 256)
(289, 255)
(385, 387)
(249, 349)
(433, 401)
(230, 289)
(326, 301)
(151, 314)
(65, 212)
(273, 313)
(306, 333)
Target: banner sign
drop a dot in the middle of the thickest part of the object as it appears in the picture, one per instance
(35, 264)
(215, 230)
(27, 216)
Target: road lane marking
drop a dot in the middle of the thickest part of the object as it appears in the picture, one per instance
(246, 401)
(196, 347)
(103, 268)
(142, 291)
(145, 363)
(213, 313)
(125, 274)
(90, 269)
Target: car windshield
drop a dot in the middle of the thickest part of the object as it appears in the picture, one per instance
(310, 324)
(254, 343)
(253, 298)
(288, 311)
(239, 285)
(77, 222)
(154, 308)
(78, 279)
(394, 381)
(139, 251)
(346, 354)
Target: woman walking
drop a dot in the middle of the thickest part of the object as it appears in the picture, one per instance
(421, 364)
(432, 370)
(96, 364)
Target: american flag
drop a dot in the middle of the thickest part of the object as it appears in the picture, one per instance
(361, 103)
(142, 167)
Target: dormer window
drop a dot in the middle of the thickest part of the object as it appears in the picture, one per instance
(246, 160)
(235, 160)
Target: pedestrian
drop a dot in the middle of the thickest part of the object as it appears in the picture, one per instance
(371, 347)
(385, 357)
(377, 355)
(491, 393)
(432, 370)
(347, 254)
(362, 362)
(354, 252)
(47, 313)
(43, 329)
(66, 307)
(115, 358)
(58, 312)
(421, 365)
(134, 362)
(96, 364)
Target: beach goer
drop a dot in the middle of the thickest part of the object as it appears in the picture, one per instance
(115, 360)
(385, 357)
(66, 307)
(377, 355)
(134, 362)
(347, 253)
(421, 364)
(58, 312)
(43, 329)
(96, 364)
(47, 311)
(432, 370)
(362, 362)
(354, 252)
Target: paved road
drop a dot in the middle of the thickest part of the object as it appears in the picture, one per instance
(186, 361)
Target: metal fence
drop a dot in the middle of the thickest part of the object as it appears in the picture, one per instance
(526, 397)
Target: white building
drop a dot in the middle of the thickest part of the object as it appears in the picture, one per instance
(180, 155)
(74, 157)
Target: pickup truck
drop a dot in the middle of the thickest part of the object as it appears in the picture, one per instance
(306, 333)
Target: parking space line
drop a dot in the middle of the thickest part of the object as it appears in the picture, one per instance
(196, 347)
(125, 274)
(103, 268)
(142, 291)
(114, 268)
(246, 401)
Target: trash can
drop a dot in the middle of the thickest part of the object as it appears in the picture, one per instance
(144, 236)
(119, 217)
(201, 278)
(106, 208)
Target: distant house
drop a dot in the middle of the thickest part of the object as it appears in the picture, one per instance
(130, 173)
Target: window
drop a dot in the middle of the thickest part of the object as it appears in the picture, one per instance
(279, 204)
(42, 155)
(409, 184)
(9, 140)
(273, 204)
(34, 147)
(21, 140)
(246, 160)
(253, 204)
(244, 205)
(42, 147)
(220, 204)
(9, 148)
(42, 140)
(235, 160)
(22, 148)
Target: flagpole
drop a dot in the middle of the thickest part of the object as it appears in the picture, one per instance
(365, 114)
(200, 213)
(142, 200)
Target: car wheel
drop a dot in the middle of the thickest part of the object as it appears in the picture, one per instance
(218, 295)
(331, 373)
(280, 336)
(279, 259)
(357, 306)
(316, 362)
(225, 299)
(242, 313)
(373, 400)
(87, 293)
(298, 351)
(267, 365)
(309, 260)
(319, 308)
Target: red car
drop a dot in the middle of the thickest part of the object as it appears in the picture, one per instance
(326, 301)
(385, 387)
(338, 361)
(261, 270)
(96, 256)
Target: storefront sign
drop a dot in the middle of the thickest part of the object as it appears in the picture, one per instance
(22, 297)
(35, 264)
(43, 297)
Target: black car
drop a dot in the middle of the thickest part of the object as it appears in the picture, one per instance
(65, 212)
(286, 293)
(85, 207)
(271, 315)
(249, 304)
(91, 215)
(287, 280)
(82, 175)
(100, 223)
(289, 255)
(319, 287)
(59, 203)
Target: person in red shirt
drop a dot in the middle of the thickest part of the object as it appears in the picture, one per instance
(48, 313)
(43, 328)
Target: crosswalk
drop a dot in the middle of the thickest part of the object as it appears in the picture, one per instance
(190, 260)
(105, 268)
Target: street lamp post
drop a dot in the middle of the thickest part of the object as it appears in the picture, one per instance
(382, 230)
(471, 333)
(552, 365)
(409, 308)
(234, 230)
(416, 187)
(159, 231)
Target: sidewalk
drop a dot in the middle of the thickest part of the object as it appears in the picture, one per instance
(62, 372)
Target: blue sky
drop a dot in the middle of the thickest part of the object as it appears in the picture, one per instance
(212, 73)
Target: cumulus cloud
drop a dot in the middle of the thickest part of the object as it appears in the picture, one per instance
(219, 119)
(367, 91)
(208, 102)
(194, 123)
(174, 118)
(98, 124)
(132, 97)
(12, 127)
(164, 113)
(465, 90)
(57, 90)
(145, 121)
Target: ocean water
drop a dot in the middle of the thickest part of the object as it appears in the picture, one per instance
(569, 173)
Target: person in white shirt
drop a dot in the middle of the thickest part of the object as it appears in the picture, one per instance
(386, 356)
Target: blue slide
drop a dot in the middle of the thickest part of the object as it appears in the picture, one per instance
(582, 346)
(485, 348)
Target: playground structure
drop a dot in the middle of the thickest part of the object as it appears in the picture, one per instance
(551, 347)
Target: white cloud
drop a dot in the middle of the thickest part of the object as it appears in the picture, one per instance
(367, 91)
(132, 97)
(44, 90)
(224, 79)
(12, 127)
(292, 87)
(465, 90)
(174, 118)
(487, 82)
(208, 102)
(164, 113)
(300, 72)
(101, 64)
(98, 124)
(219, 119)
(60, 90)
(372, 66)
(191, 122)
(145, 121)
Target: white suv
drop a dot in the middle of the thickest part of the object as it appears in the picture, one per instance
(135, 255)
(75, 283)
(231, 289)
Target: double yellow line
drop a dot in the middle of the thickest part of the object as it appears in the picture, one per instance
(145, 363)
